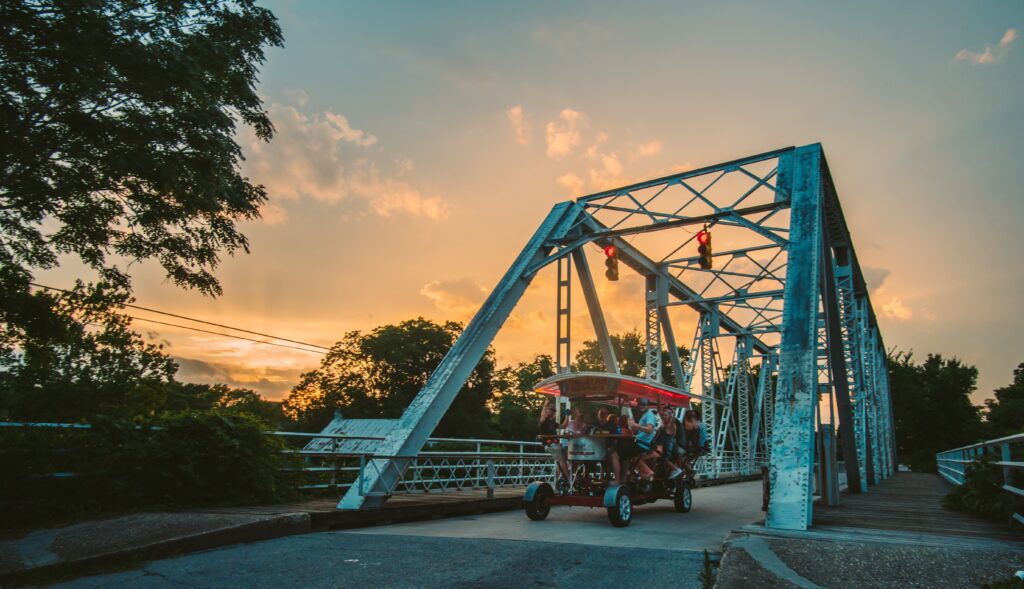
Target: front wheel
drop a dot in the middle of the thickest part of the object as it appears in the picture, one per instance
(622, 512)
(537, 506)
(683, 499)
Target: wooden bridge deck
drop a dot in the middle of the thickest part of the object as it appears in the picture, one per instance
(908, 502)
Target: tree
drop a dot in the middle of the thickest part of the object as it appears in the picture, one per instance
(221, 397)
(515, 407)
(630, 354)
(119, 135)
(932, 407)
(378, 374)
(1004, 415)
(76, 359)
(117, 143)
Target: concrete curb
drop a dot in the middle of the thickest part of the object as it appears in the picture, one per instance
(285, 524)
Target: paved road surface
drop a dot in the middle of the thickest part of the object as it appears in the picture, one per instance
(716, 512)
(575, 547)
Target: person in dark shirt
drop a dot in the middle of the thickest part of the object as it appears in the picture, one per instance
(691, 442)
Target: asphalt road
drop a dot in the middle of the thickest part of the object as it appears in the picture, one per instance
(574, 547)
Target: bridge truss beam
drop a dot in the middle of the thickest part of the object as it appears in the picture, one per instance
(786, 294)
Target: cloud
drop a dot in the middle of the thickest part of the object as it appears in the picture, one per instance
(896, 310)
(323, 157)
(573, 183)
(272, 383)
(461, 296)
(563, 136)
(991, 54)
(273, 213)
(648, 149)
(521, 124)
(874, 277)
(609, 172)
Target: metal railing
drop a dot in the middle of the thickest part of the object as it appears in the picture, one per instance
(1009, 451)
(729, 465)
(445, 464)
(463, 464)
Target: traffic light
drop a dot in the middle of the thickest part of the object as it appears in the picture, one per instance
(611, 262)
(704, 249)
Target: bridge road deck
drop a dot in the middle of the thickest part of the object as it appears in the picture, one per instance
(401, 507)
(575, 547)
(908, 502)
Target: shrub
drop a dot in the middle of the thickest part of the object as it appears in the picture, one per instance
(982, 493)
(190, 458)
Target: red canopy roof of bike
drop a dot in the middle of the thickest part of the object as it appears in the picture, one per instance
(602, 386)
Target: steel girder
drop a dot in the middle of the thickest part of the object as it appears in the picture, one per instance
(792, 458)
(430, 404)
(779, 219)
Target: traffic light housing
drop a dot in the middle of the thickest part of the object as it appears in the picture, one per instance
(611, 262)
(704, 249)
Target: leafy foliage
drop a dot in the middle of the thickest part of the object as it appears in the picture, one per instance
(378, 374)
(1004, 415)
(119, 132)
(708, 573)
(932, 407)
(71, 357)
(982, 493)
(515, 407)
(189, 458)
(76, 359)
(630, 354)
(117, 143)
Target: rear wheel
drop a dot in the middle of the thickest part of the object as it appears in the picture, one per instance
(538, 508)
(683, 498)
(622, 512)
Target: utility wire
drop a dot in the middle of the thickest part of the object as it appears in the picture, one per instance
(258, 341)
(147, 309)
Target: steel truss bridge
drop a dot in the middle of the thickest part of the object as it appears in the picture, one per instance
(785, 342)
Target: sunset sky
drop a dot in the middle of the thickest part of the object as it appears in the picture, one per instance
(419, 144)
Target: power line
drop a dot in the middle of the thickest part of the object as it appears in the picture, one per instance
(249, 339)
(147, 309)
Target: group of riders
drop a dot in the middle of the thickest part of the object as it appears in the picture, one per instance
(656, 442)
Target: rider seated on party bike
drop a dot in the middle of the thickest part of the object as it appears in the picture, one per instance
(621, 445)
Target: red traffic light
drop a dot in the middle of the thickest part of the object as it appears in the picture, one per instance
(611, 262)
(703, 237)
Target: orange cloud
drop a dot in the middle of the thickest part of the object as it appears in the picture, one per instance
(323, 157)
(563, 136)
(896, 310)
(461, 296)
(522, 126)
(573, 183)
(991, 54)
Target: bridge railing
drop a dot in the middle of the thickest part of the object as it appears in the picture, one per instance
(728, 465)
(445, 464)
(1008, 451)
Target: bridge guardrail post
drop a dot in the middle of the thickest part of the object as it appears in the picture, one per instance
(1005, 457)
(362, 471)
(490, 478)
(334, 464)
